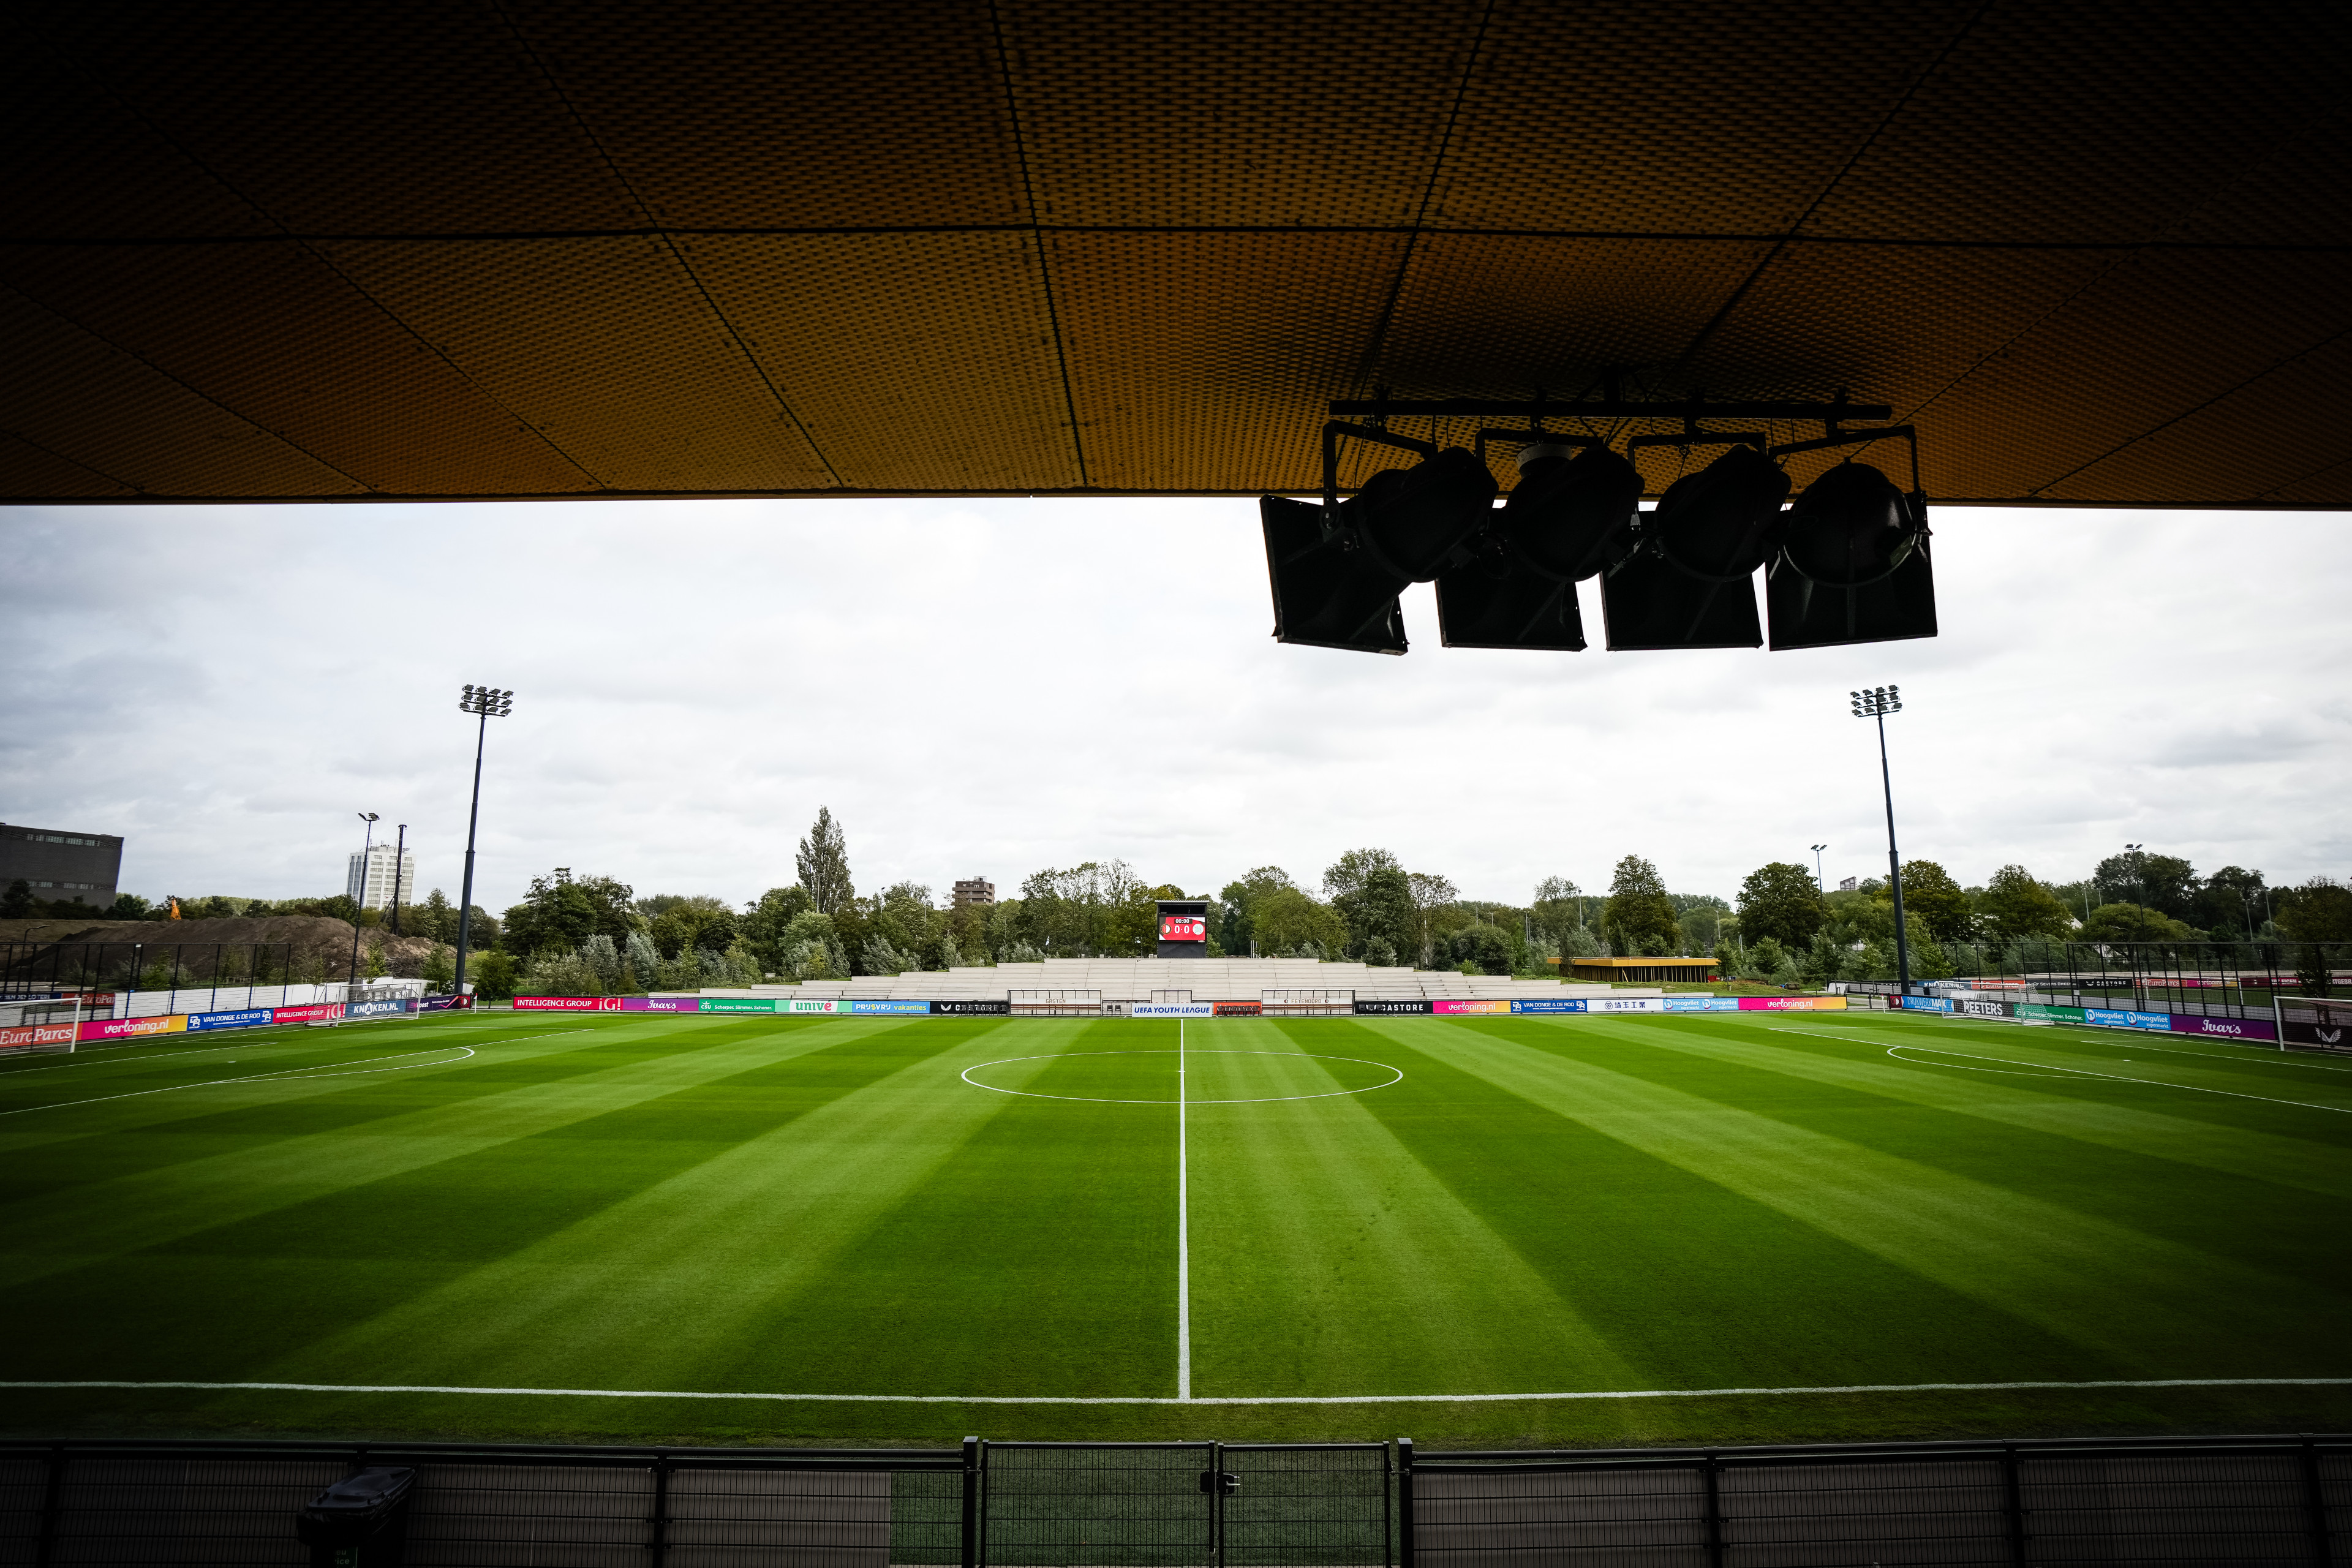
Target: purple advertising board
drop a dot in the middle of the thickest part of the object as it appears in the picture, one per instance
(2226, 1028)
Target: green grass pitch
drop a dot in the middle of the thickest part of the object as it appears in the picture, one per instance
(1751, 1228)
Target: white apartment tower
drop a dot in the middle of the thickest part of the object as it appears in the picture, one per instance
(369, 883)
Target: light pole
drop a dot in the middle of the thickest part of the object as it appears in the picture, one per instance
(367, 849)
(400, 849)
(1821, 881)
(1877, 703)
(486, 702)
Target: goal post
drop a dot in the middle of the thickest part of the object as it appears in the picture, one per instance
(41, 1023)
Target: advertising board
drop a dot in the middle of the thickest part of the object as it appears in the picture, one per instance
(1792, 1004)
(316, 1013)
(893, 1006)
(982, 1008)
(1926, 1004)
(1701, 1003)
(1237, 1009)
(1974, 1008)
(1175, 1010)
(813, 1005)
(389, 1007)
(740, 1005)
(2049, 1013)
(1543, 1004)
(2126, 1018)
(1471, 1004)
(448, 1004)
(1370, 1005)
(131, 1028)
(2225, 1028)
(1183, 928)
(245, 1018)
(1626, 1005)
(570, 1004)
(660, 1004)
(2326, 1036)
(21, 1036)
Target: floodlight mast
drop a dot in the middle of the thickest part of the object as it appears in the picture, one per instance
(1820, 879)
(367, 853)
(487, 702)
(1877, 703)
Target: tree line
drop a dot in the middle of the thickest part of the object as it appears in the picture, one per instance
(595, 935)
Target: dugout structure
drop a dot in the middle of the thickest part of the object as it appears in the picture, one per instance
(2095, 255)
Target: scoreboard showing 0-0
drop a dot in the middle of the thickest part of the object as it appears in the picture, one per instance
(1183, 928)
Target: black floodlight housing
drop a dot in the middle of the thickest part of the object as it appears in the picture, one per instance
(1687, 582)
(1853, 565)
(1571, 515)
(1336, 571)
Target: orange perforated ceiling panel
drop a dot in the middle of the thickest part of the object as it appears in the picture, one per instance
(2099, 253)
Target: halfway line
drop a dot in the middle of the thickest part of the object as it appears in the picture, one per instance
(1183, 1240)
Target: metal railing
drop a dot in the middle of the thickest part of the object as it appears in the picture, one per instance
(2172, 1500)
(1206, 1504)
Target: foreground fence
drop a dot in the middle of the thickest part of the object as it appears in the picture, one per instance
(1207, 1505)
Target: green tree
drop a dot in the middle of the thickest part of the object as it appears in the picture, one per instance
(492, 975)
(440, 969)
(1929, 892)
(2231, 902)
(1781, 903)
(824, 864)
(1287, 921)
(1558, 909)
(1639, 918)
(1484, 946)
(691, 922)
(1235, 929)
(18, 903)
(1701, 916)
(562, 911)
(763, 920)
(1378, 908)
(2014, 908)
(1434, 915)
(2319, 911)
(2130, 923)
(2165, 883)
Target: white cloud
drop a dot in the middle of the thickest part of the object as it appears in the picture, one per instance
(993, 687)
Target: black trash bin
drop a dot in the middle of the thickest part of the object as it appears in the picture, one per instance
(360, 1521)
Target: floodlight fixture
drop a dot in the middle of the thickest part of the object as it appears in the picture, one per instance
(1876, 704)
(1687, 582)
(1821, 878)
(1336, 573)
(1854, 566)
(1572, 515)
(486, 703)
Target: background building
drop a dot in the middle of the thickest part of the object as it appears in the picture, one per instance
(975, 891)
(61, 866)
(370, 883)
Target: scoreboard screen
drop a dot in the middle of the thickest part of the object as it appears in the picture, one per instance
(1183, 928)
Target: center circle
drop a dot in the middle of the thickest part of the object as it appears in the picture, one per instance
(1397, 1077)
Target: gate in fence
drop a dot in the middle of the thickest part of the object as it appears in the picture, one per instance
(1186, 1505)
(1206, 1505)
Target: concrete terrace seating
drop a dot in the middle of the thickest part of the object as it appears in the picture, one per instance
(1208, 979)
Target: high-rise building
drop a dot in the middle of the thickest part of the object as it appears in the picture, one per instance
(368, 880)
(974, 890)
(58, 866)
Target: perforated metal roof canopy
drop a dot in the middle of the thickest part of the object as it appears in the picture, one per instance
(428, 250)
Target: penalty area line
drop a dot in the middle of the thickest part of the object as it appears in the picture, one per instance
(1206, 1399)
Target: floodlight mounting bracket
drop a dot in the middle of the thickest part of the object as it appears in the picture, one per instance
(1331, 433)
(1525, 437)
(1864, 438)
(1610, 406)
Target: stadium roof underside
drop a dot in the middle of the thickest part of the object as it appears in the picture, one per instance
(432, 250)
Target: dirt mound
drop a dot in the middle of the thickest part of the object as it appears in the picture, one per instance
(317, 942)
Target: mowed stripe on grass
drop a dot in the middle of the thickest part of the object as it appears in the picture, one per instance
(826, 1208)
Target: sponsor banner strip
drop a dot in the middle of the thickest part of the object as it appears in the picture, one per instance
(16, 1038)
(1175, 1010)
(1471, 1004)
(245, 1018)
(132, 1028)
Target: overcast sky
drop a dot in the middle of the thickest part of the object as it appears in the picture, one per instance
(987, 688)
